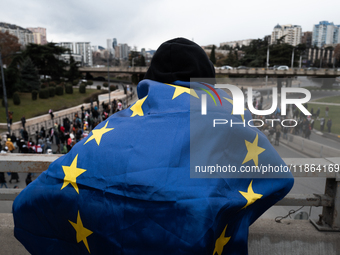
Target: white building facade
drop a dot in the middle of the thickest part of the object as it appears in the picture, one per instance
(83, 49)
(109, 47)
(325, 33)
(25, 36)
(292, 34)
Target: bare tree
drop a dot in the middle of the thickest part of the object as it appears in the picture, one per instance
(9, 44)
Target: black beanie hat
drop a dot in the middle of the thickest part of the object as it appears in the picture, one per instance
(179, 59)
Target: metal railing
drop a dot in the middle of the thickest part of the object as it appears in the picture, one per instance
(300, 167)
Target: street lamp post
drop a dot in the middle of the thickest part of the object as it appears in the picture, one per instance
(293, 58)
(5, 94)
(267, 65)
(300, 61)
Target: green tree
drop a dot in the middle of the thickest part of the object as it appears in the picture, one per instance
(137, 58)
(212, 55)
(336, 55)
(255, 53)
(12, 76)
(281, 54)
(225, 47)
(29, 76)
(9, 46)
(46, 59)
(142, 61)
(73, 72)
(232, 59)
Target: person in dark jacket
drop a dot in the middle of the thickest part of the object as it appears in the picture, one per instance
(2, 180)
(23, 121)
(158, 208)
(14, 176)
(28, 179)
(329, 125)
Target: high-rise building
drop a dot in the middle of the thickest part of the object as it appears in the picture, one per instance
(325, 33)
(84, 49)
(109, 45)
(67, 45)
(39, 34)
(80, 48)
(122, 51)
(25, 36)
(114, 43)
(307, 38)
(291, 33)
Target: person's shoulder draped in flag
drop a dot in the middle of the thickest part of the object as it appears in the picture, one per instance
(127, 187)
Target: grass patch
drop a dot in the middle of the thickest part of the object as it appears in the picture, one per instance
(334, 114)
(30, 108)
(334, 99)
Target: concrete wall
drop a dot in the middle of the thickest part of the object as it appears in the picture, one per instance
(8, 243)
(298, 237)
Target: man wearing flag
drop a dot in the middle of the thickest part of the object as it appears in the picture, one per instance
(128, 188)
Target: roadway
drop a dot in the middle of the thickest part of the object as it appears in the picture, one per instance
(306, 185)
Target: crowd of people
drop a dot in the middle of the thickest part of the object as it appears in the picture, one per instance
(273, 128)
(63, 135)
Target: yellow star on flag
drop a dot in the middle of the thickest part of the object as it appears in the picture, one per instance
(98, 133)
(180, 90)
(221, 242)
(82, 232)
(250, 195)
(137, 108)
(253, 151)
(71, 174)
(231, 101)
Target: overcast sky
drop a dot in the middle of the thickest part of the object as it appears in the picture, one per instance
(148, 23)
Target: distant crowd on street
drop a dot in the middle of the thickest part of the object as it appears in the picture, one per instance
(63, 135)
(271, 125)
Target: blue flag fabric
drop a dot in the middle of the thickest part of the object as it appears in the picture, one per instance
(126, 188)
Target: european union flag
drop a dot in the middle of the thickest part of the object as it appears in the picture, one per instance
(127, 188)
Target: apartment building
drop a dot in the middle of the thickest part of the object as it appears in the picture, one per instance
(25, 36)
(83, 49)
(325, 33)
(292, 34)
(122, 51)
(39, 34)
